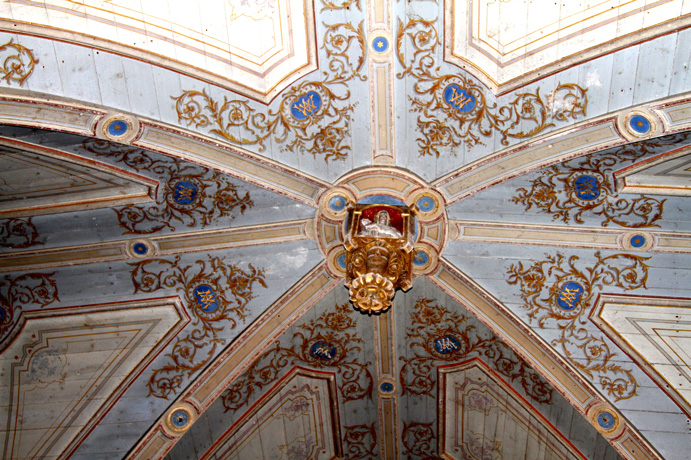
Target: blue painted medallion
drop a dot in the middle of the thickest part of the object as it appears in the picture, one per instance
(324, 351)
(338, 203)
(459, 98)
(637, 241)
(587, 188)
(421, 258)
(117, 128)
(341, 259)
(380, 45)
(569, 295)
(184, 192)
(606, 420)
(206, 298)
(140, 249)
(426, 204)
(386, 387)
(179, 418)
(639, 124)
(306, 106)
(447, 344)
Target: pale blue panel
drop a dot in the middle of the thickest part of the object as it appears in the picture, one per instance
(77, 72)
(654, 69)
(142, 88)
(112, 80)
(623, 78)
(681, 82)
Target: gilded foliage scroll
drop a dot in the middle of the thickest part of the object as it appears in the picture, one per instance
(586, 186)
(18, 233)
(328, 342)
(360, 442)
(18, 62)
(15, 292)
(439, 336)
(312, 117)
(216, 295)
(559, 292)
(188, 194)
(453, 109)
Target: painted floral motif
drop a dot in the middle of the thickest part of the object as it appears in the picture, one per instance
(188, 193)
(479, 402)
(586, 185)
(296, 408)
(215, 293)
(28, 289)
(360, 442)
(18, 233)
(419, 441)
(312, 117)
(453, 109)
(340, 4)
(47, 366)
(329, 342)
(439, 335)
(475, 446)
(18, 62)
(300, 449)
(559, 294)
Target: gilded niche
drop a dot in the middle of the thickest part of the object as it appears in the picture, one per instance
(378, 245)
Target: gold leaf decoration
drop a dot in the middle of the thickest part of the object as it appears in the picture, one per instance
(439, 335)
(586, 185)
(30, 288)
(215, 293)
(189, 194)
(18, 62)
(312, 117)
(557, 292)
(18, 233)
(329, 342)
(453, 109)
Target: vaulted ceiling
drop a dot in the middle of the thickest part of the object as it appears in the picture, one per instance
(174, 188)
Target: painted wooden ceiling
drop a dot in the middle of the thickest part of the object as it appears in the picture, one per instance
(174, 179)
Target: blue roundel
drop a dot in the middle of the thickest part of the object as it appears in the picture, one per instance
(341, 259)
(569, 295)
(386, 387)
(306, 105)
(179, 418)
(639, 124)
(338, 203)
(587, 188)
(459, 98)
(321, 350)
(206, 298)
(184, 192)
(637, 241)
(118, 128)
(426, 204)
(2, 315)
(380, 45)
(606, 420)
(140, 249)
(447, 344)
(421, 258)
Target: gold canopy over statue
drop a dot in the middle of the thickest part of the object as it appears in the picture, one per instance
(379, 244)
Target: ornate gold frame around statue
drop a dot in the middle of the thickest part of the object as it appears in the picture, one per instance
(379, 243)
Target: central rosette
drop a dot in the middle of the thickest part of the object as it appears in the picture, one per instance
(379, 243)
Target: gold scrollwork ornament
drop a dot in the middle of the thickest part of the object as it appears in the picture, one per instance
(379, 244)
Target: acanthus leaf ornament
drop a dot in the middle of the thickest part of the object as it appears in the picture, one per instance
(586, 185)
(379, 244)
(312, 117)
(215, 293)
(189, 194)
(557, 291)
(453, 109)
